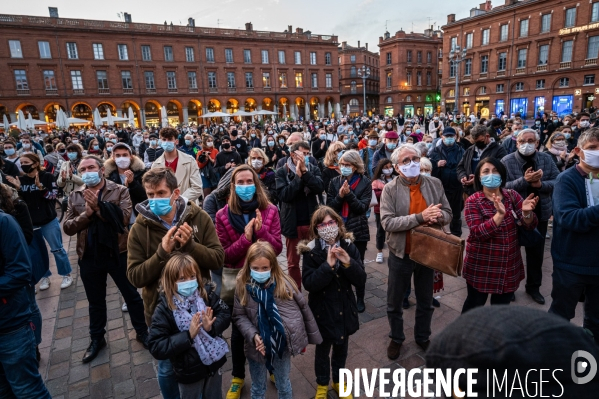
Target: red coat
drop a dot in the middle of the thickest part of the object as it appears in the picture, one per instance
(236, 245)
(493, 263)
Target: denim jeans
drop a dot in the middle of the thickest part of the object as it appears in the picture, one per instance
(53, 236)
(208, 388)
(36, 315)
(566, 291)
(400, 274)
(282, 367)
(167, 381)
(19, 375)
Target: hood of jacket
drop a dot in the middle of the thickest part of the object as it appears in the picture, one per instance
(306, 245)
(147, 218)
(136, 165)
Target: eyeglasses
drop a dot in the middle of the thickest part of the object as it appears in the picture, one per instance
(530, 141)
(407, 161)
(327, 224)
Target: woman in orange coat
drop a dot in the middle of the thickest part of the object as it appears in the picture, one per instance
(206, 159)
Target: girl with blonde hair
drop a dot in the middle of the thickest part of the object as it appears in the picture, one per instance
(273, 317)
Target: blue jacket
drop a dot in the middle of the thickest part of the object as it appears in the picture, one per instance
(575, 226)
(15, 275)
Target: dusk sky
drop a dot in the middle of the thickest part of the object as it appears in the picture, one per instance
(350, 20)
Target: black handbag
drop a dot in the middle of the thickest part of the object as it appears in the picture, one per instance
(526, 238)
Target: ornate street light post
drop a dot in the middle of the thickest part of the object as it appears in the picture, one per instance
(364, 73)
(456, 57)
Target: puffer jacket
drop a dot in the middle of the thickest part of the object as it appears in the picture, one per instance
(167, 342)
(77, 222)
(359, 203)
(236, 245)
(136, 188)
(300, 327)
(331, 298)
(515, 178)
(146, 258)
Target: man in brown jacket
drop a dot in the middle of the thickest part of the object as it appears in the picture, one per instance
(99, 214)
(155, 236)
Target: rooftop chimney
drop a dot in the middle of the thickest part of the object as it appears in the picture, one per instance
(482, 6)
(127, 17)
(53, 12)
(451, 18)
(289, 28)
(510, 2)
(249, 26)
(299, 31)
(191, 22)
(488, 6)
(366, 46)
(343, 45)
(358, 44)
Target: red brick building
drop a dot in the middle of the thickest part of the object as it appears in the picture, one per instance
(524, 56)
(351, 59)
(410, 72)
(78, 65)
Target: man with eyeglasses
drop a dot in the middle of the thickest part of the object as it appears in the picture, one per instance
(409, 201)
(532, 172)
(583, 122)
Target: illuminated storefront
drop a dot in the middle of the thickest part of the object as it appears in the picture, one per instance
(499, 107)
(519, 105)
(539, 106)
(563, 104)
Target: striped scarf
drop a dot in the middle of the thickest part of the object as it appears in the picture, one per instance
(270, 324)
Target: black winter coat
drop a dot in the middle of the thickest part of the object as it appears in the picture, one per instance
(359, 203)
(291, 191)
(136, 188)
(331, 297)
(167, 342)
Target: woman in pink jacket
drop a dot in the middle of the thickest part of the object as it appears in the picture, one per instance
(247, 218)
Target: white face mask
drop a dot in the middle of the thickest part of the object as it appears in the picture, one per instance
(411, 170)
(387, 172)
(591, 158)
(584, 123)
(526, 149)
(256, 163)
(123, 162)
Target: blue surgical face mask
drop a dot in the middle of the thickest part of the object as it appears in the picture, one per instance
(96, 147)
(271, 143)
(373, 142)
(188, 142)
(168, 146)
(391, 146)
(567, 135)
(186, 288)
(346, 141)
(281, 141)
(113, 140)
(152, 142)
(449, 141)
(340, 154)
(91, 179)
(245, 192)
(72, 155)
(252, 135)
(307, 159)
(346, 171)
(418, 130)
(323, 136)
(429, 145)
(555, 120)
(9, 151)
(160, 206)
(537, 123)
(491, 181)
(260, 277)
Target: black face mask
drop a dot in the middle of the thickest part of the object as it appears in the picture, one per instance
(27, 168)
(226, 146)
(480, 144)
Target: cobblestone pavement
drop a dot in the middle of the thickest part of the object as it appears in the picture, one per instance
(125, 370)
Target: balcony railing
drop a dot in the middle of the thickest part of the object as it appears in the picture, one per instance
(249, 89)
(500, 73)
(51, 92)
(193, 90)
(520, 70)
(590, 61)
(565, 65)
(103, 91)
(231, 89)
(299, 88)
(127, 91)
(213, 90)
(22, 92)
(173, 90)
(482, 75)
(78, 91)
(150, 91)
(267, 89)
(542, 68)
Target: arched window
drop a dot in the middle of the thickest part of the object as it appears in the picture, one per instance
(408, 98)
(482, 90)
(354, 102)
(353, 87)
(389, 100)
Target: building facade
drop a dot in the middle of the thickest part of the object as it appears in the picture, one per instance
(352, 81)
(524, 56)
(410, 72)
(78, 65)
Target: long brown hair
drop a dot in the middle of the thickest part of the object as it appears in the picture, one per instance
(317, 218)
(177, 264)
(35, 159)
(263, 249)
(260, 193)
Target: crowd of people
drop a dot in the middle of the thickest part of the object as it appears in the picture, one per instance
(195, 217)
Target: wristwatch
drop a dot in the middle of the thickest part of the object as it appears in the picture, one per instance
(527, 216)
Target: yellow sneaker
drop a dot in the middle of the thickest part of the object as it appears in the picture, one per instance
(235, 391)
(336, 388)
(321, 392)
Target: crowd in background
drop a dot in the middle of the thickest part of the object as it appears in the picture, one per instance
(195, 217)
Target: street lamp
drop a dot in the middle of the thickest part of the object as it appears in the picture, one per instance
(456, 56)
(364, 73)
